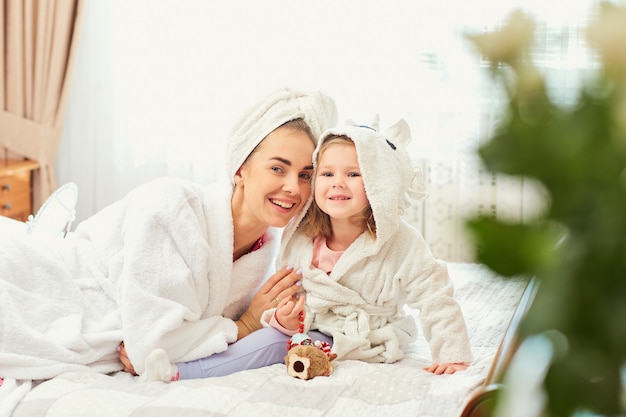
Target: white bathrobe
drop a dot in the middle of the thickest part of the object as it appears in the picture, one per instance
(360, 303)
(154, 269)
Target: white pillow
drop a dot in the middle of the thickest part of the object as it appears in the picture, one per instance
(56, 214)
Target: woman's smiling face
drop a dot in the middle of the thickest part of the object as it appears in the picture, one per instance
(276, 178)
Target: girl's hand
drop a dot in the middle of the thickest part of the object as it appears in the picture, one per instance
(288, 312)
(282, 285)
(128, 366)
(446, 368)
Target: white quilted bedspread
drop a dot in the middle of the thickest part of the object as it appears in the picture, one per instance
(354, 389)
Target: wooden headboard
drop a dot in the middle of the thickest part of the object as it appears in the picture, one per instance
(483, 401)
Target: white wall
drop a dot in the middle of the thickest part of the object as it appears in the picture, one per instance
(158, 83)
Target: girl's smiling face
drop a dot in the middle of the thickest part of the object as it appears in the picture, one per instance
(339, 188)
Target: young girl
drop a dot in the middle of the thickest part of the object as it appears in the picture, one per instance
(361, 262)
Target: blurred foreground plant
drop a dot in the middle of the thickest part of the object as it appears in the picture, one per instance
(576, 248)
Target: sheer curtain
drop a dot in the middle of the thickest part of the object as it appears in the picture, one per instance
(158, 85)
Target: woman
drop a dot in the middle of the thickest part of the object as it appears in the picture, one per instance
(173, 265)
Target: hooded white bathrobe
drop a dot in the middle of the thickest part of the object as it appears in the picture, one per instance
(360, 303)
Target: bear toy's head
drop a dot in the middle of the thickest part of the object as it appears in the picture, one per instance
(308, 361)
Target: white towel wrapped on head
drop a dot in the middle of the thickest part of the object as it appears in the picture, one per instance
(316, 108)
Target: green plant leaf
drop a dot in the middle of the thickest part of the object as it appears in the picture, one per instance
(510, 248)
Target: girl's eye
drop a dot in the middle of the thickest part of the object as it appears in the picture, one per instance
(325, 174)
(354, 174)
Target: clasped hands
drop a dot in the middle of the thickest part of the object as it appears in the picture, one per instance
(280, 291)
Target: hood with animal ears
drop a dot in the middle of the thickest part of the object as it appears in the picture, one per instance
(390, 177)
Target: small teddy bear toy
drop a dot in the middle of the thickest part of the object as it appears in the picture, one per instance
(307, 359)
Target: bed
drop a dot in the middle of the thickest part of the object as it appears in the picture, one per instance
(492, 307)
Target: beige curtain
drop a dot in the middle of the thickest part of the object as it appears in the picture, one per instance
(38, 39)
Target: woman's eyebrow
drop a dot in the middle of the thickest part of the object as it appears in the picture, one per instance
(288, 162)
(282, 160)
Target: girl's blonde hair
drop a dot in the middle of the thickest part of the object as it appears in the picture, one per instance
(316, 222)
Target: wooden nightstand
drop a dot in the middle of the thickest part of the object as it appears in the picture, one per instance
(16, 198)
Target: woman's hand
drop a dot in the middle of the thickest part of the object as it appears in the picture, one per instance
(288, 312)
(283, 284)
(128, 366)
(446, 368)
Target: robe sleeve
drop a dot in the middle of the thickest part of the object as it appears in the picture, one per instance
(431, 291)
(172, 283)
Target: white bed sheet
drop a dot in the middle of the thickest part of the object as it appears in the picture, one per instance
(354, 389)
